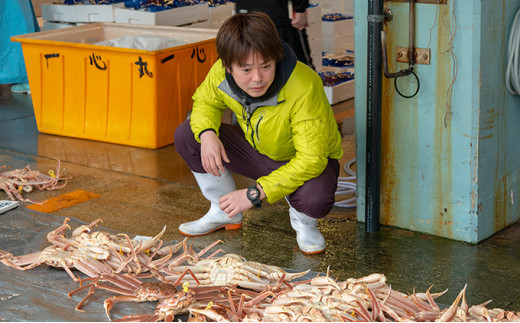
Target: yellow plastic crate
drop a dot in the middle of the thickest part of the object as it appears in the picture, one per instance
(112, 94)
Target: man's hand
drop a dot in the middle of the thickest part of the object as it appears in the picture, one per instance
(299, 20)
(212, 153)
(237, 201)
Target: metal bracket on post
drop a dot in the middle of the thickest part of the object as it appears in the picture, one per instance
(421, 55)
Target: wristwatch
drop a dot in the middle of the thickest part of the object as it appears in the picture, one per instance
(253, 194)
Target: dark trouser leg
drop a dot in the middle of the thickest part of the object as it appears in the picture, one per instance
(315, 197)
(298, 41)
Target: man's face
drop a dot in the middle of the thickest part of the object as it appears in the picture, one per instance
(255, 76)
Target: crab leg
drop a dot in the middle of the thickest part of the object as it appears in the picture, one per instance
(139, 318)
(92, 267)
(130, 258)
(91, 291)
(400, 301)
(18, 262)
(376, 308)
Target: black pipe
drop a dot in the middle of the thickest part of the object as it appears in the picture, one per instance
(411, 32)
(373, 129)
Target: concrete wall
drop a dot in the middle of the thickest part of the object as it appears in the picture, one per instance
(450, 156)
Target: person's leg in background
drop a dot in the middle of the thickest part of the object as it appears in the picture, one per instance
(299, 43)
(17, 17)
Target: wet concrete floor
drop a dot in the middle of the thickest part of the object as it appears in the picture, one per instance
(142, 190)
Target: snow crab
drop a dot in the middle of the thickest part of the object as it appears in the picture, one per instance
(233, 270)
(16, 181)
(57, 257)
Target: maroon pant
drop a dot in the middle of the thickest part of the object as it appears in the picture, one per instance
(314, 198)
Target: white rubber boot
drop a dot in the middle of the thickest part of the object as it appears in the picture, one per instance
(213, 188)
(309, 238)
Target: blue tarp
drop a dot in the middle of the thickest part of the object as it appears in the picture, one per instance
(16, 18)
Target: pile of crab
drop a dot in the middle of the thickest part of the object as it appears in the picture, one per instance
(212, 286)
(14, 182)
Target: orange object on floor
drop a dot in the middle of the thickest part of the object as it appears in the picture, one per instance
(63, 201)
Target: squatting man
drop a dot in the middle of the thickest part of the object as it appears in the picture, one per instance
(287, 138)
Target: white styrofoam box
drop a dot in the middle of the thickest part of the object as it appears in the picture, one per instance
(348, 7)
(338, 43)
(314, 30)
(347, 57)
(79, 12)
(314, 14)
(336, 69)
(59, 12)
(340, 92)
(97, 13)
(335, 6)
(51, 25)
(199, 24)
(315, 46)
(316, 61)
(221, 12)
(170, 17)
(331, 28)
(216, 24)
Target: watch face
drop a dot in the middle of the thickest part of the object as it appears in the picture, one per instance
(254, 194)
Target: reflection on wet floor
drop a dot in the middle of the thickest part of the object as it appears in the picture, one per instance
(144, 189)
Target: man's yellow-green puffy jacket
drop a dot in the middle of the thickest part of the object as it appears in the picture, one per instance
(297, 126)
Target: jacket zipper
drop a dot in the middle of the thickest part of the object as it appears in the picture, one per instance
(258, 125)
(247, 116)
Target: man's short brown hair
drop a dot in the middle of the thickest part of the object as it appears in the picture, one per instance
(246, 33)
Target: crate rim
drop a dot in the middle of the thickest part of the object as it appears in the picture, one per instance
(38, 37)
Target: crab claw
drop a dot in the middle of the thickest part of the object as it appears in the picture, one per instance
(452, 310)
(149, 243)
(108, 304)
(85, 228)
(51, 235)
